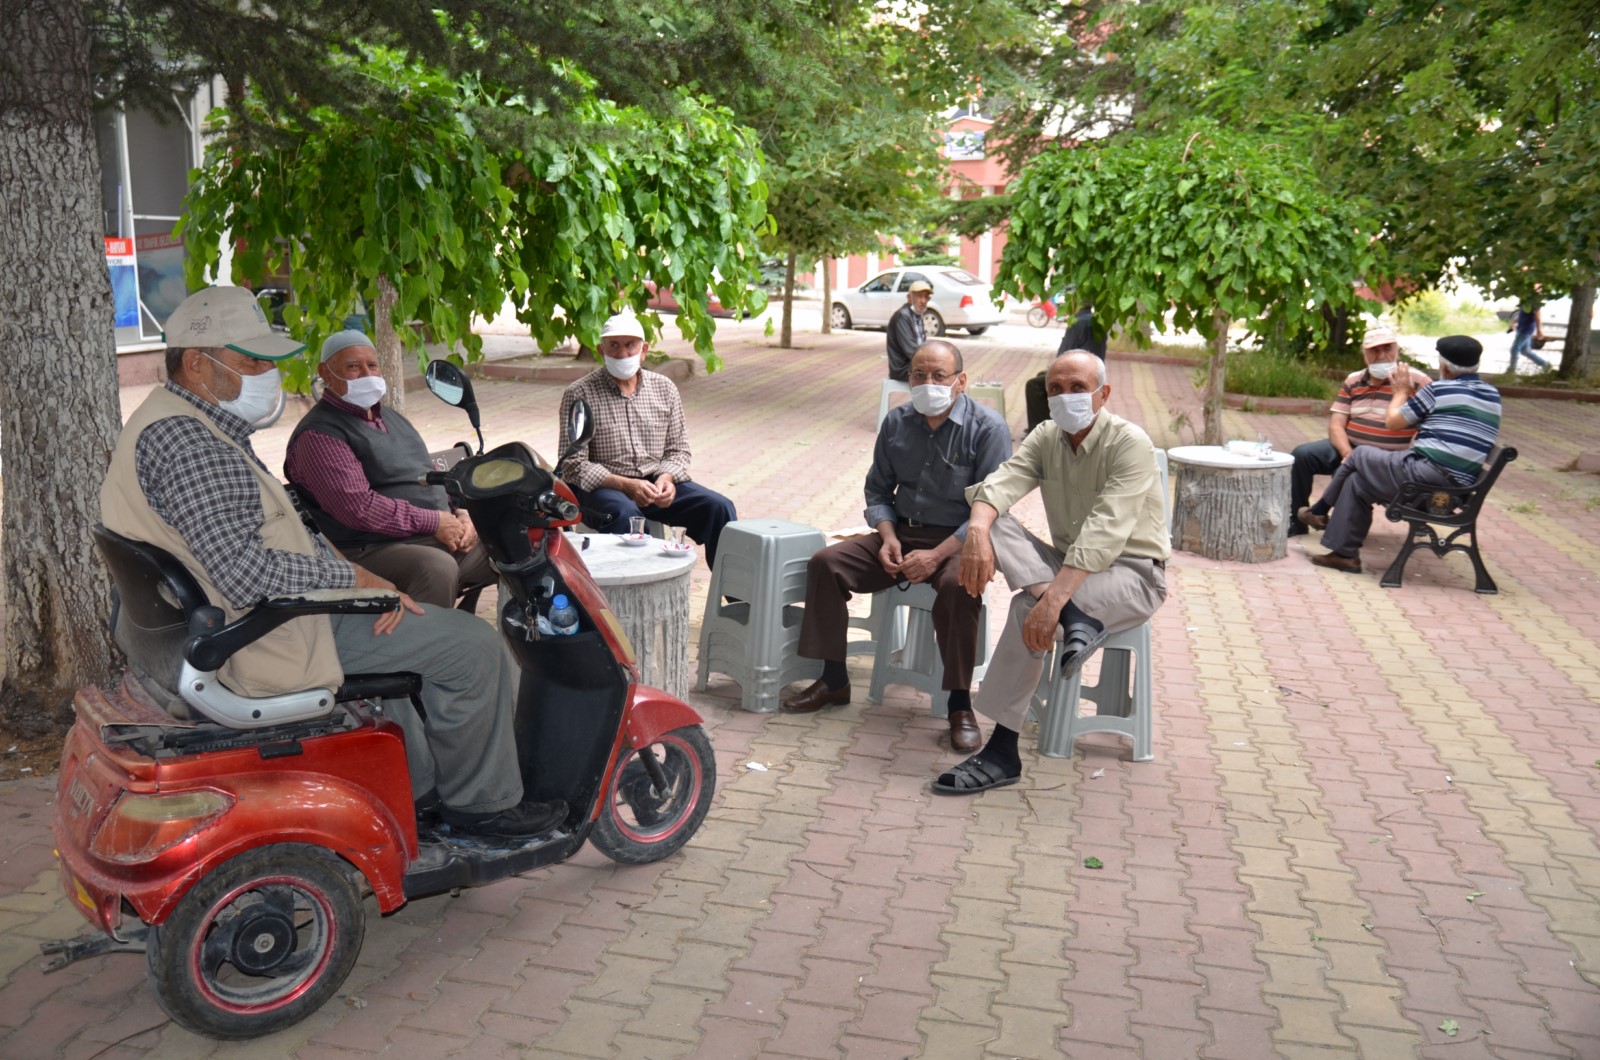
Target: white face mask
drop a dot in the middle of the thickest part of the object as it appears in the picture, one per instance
(365, 391)
(930, 399)
(258, 394)
(1382, 369)
(624, 367)
(1072, 412)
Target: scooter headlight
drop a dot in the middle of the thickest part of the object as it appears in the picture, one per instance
(139, 827)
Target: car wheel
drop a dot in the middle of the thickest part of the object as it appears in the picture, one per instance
(975, 332)
(839, 318)
(932, 324)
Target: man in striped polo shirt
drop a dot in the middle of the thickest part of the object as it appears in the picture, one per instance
(1457, 421)
(1357, 418)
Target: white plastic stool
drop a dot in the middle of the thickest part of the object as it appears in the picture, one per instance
(762, 564)
(1122, 706)
(906, 651)
(890, 386)
(993, 392)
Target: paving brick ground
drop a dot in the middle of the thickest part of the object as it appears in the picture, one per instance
(1370, 812)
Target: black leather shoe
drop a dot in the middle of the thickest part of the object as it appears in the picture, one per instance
(1334, 561)
(522, 821)
(816, 696)
(964, 732)
(428, 808)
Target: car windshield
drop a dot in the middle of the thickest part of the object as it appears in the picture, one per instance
(962, 276)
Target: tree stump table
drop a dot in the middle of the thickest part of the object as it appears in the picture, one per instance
(648, 590)
(1230, 506)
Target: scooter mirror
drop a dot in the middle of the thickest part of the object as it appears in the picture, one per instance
(452, 386)
(580, 428)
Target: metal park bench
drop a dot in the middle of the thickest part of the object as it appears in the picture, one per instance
(1424, 507)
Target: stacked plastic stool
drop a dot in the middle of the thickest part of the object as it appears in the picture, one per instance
(761, 564)
(905, 651)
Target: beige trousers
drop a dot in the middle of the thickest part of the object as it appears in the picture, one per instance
(1121, 596)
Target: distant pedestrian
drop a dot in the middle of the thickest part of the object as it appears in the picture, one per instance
(907, 331)
(1528, 327)
(1084, 333)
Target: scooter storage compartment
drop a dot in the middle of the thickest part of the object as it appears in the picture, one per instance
(568, 710)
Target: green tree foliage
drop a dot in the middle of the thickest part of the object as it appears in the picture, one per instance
(1209, 225)
(454, 219)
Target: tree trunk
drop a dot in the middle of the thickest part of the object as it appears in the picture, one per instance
(391, 354)
(1239, 514)
(1575, 350)
(786, 335)
(1338, 322)
(1216, 379)
(827, 296)
(59, 401)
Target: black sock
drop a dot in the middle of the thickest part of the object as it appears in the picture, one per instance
(834, 675)
(1321, 508)
(1071, 616)
(1002, 751)
(960, 699)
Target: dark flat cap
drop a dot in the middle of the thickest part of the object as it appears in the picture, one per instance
(1462, 351)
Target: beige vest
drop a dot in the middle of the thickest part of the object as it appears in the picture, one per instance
(298, 654)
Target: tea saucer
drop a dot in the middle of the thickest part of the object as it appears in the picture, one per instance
(636, 539)
(672, 549)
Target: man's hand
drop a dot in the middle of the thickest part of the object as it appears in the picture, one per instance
(469, 533)
(640, 492)
(1039, 630)
(452, 532)
(917, 567)
(666, 490)
(387, 621)
(977, 561)
(889, 553)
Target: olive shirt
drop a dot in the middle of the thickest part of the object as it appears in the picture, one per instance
(1102, 502)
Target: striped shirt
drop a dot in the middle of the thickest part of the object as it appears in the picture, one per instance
(1458, 421)
(1365, 401)
(639, 435)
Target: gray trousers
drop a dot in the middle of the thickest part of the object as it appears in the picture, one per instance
(1371, 476)
(465, 747)
(1122, 596)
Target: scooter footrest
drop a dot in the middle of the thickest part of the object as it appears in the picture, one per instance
(378, 686)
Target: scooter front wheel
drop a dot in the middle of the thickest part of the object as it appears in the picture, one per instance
(658, 796)
(259, 944)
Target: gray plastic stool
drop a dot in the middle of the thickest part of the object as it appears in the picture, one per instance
(906, 651)
(1121, 706)
(762, 564)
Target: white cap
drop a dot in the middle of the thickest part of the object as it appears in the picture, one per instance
(624, 324)
(1379, 335)
(231, 317)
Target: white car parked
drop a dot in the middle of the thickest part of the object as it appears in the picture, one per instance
(960, 300)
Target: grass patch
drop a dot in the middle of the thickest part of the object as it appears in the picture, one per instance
(1165, 349)
(1524, 508)
(1264, 373)
(1432, 313)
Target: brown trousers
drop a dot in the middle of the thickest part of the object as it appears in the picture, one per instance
(852, 566)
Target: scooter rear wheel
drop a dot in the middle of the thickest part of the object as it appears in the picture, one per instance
(642, 822)
(259, 944)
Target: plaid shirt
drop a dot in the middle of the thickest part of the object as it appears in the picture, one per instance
(641, 435)
(202, 487)
(330, 469)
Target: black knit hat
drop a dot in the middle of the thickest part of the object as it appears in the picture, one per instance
(1462, 351)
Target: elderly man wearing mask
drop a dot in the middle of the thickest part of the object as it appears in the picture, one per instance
(1357, 418)
(356, 465)
(928, 453)
(1102, 571)
(637, 463)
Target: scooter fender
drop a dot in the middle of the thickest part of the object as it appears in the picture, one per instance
(652, 712)
(291, 807)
